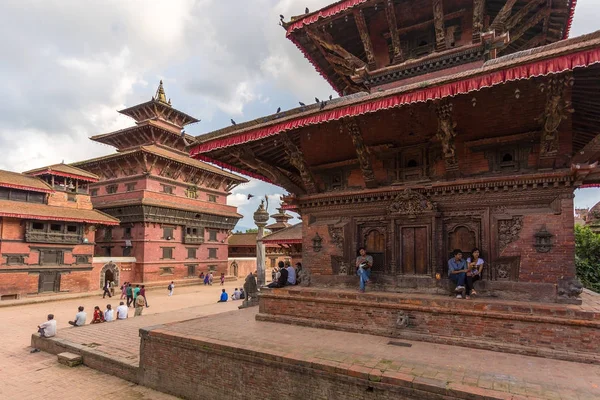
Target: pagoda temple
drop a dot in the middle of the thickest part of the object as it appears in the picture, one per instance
(462, 124)
(173, 209)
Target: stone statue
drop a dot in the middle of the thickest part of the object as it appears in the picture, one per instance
(251, 290)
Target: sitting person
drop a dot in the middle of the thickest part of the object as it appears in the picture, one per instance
(475, 265)
(298, 272)
(291, 275)
(242, 294)
(224, 296)
(457, 273)
(363, 267)
(283, 277)
(80, 317)
(236, 294)
(98, 317)
(122, 311)
(109, 313)
(48, 328)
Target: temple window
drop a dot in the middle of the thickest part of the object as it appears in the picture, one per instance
(167, 232)
(408, 165)
(191, 270)
(51, 257)
(194, 235)
(21, 195)
(212, 253)
(107, 251)
(94, 192)
(71, 228)
(127, 251)
(212, 268)
(168, 189)
(38, 226)
(192, 252)
(212, 198)
(130, 187)
(192, 192)
(212, 235)
(166, 270)
(108, 234)
(72, 197)
(55, 227)
(167, 253)
(111, 189)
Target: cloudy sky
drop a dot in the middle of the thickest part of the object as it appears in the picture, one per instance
(68, 65)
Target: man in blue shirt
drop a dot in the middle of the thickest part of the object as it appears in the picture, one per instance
(224, 297)
(457, 272)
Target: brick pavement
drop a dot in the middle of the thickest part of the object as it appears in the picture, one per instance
(39, 376)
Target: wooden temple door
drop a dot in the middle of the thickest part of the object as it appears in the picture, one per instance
(414, 250)
(374, 243)
(49, 282)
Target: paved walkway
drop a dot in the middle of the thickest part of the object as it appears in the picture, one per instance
(39, 376)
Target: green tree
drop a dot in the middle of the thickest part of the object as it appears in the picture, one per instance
(587, 257)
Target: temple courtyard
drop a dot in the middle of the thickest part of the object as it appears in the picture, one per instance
(204, 355)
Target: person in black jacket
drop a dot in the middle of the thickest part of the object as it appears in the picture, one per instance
(283, 277)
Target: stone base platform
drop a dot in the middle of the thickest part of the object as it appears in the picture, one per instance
(565, 332)
(234, 356)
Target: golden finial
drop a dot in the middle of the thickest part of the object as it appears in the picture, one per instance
(160, 94)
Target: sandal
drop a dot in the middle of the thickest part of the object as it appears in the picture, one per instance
(473, 292)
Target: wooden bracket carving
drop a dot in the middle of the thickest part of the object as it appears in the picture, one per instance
(446, 133)
(533, 21)
(362, 152)
(363, 31)
(352, 61)
(296, 158)
(478, 8)
(556, 110)
(390, 13)
(503, 14)
(438, 23)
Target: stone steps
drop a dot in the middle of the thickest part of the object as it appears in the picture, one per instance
(70, 359)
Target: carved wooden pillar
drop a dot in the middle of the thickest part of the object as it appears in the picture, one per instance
(556, 110)
(362, 153)
(446, 134)
(478, 8)
(363, 31)
(394, 245)
(296, 158)
(390, 13)
(438, 23)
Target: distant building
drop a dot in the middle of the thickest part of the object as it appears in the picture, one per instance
(173, 209)
(592, 218)
(47, 230)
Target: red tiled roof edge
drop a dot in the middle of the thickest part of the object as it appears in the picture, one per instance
(325, 12)
(65, 219)
(64, 174)
(570, 20)
(24, 187)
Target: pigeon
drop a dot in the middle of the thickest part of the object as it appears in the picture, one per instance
(281, 17)
(233, 122)
(330, 97)
(323, 104)
(301, 104)
(250, 196)
(317, 100)
(278, 110)
(306, 11)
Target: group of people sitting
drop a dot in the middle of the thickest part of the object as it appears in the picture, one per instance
(285, 276)
(238, 294)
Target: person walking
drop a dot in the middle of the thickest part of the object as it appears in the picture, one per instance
(222, 278)
(140, 303)
(143, 293)
(106, 289)
(136, 292)
(123, 291)
(129, 293)
(171, 288)
(112, 287)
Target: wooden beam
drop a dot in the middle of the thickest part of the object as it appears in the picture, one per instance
(362, 152)
(335, 48)
(533, 21)
(296, 158)
(365, 37)
(522, 13)
(503, 14)
(390, 14)
(478, 11)
(533, 42)
(439, 26)
(589, 153)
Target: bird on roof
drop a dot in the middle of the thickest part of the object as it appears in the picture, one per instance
(306, 11)
(278, 110)
(330, 97)
(233, 122)
(301, 104)
(323, 104)
(317, 100)
(250, 196)
(281, 17)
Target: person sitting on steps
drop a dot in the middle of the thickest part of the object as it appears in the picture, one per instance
(283, 277)
(457, 273)
(475, 264)
(363, 267)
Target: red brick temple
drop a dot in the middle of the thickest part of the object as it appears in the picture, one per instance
(173, 209)
(47, 231)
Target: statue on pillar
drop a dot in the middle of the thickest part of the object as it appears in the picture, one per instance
(261, 217)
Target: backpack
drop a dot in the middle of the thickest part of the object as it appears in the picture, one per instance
(169, 287)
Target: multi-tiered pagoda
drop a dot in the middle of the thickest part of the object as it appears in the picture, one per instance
(173, 209)
(463, 124)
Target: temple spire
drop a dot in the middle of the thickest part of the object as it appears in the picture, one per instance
(160, 94)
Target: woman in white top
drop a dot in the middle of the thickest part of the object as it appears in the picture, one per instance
(109, 313)
(475, 264)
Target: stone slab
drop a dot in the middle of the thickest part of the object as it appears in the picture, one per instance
(70, 359)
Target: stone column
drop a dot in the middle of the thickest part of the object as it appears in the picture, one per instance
(261, 217)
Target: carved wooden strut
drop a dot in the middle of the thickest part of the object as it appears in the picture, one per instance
(446, 133)
(296, 158)
(438, 23)
(556, 110)
(362, 153)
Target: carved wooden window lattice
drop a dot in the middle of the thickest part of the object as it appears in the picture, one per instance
(130, 187)
(192, 192)
(167, 253)
(168, 232)
(191, 252)
(111, 189)
(335, 179)
(168, 189)
(212, 198)
(212, 235)
(191, 270)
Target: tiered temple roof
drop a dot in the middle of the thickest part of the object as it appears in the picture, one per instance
(290, 235)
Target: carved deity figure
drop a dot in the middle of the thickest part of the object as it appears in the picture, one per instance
(556, 110)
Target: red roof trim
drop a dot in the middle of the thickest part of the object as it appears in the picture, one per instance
(29, 188)
(282, 241)
(315, 64)
(49, 218)
(323, 13)
(539, 68)
(50, 171)
(570, 20)
(589, 185)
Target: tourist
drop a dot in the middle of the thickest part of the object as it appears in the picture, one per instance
(283, 277)
(140, 303)
(236, 294)
(364, 263)
(457, 268)
(224, 296)
(123, 291)
(475, 264)
(48, 328)
(242, 294)
(122, 311)
(112, 287)
(129, 293)
(106, 289)
(109, 315)
(206, 279)
(143, 293)
(201, 276)
(80, 317)
(98, 317)
(273, 274)
(210, 278)
(136, 293)
(171, 288)
(222, 278)
(291, 275)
